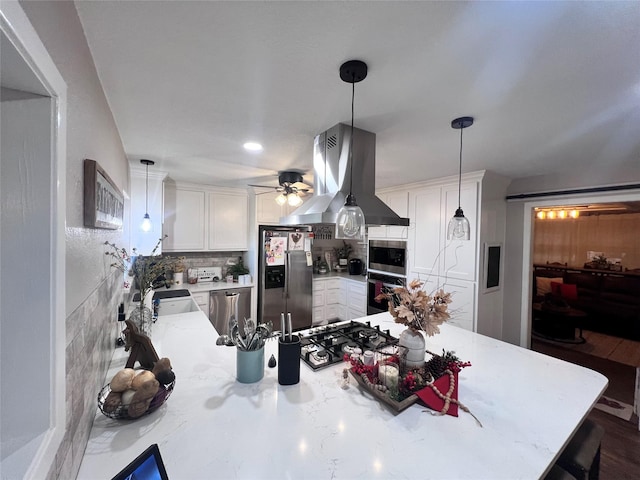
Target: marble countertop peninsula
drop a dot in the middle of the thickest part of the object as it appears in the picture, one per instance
(214, 427)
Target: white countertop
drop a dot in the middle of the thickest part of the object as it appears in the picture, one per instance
(214, 427)
(357, 278)
(208, 286)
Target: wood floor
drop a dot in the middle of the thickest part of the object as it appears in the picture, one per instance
(616, 359)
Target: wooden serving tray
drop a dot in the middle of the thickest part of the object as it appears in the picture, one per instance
(397, 407)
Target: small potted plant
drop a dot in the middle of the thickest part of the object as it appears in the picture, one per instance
(342, 253)
(237, 269)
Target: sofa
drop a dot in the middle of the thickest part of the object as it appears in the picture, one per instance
(610, 300)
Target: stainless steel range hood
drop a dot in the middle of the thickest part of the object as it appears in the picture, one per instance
(332, 175)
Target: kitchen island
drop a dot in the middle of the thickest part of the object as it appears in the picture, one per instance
(214, 427)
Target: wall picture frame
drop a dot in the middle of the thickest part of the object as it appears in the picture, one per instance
(492, 267)
(103, 200)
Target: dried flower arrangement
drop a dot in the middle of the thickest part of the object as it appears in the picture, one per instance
(413, 307)
(150, 271)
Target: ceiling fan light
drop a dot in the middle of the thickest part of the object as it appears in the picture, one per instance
(281, 199)
(459, 228)
(294, 200)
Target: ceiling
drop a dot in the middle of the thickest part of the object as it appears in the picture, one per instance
(553, 86)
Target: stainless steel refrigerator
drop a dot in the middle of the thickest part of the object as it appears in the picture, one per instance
(285, 275)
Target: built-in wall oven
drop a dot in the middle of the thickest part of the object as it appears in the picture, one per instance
(386, 269)
(388, 256)
(378, 283)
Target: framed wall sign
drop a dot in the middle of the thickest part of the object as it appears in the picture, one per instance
(103, 200)
(492, 256)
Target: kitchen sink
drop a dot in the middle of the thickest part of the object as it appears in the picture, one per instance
(160, 294)
(173, 306)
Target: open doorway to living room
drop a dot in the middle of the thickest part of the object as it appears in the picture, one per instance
(586, 309)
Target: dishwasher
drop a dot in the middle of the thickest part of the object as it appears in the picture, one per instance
(223, 305)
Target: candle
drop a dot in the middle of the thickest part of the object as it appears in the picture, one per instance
(388, 375)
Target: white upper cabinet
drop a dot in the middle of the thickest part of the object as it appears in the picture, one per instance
(184, 219)
(426, 232)
(431, 253)
(268, 212)
(460, 256)
(228, 220)
(204, 218)
(457, 265)
(398, 201)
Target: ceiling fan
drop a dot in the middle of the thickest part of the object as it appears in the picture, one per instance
(291, 188)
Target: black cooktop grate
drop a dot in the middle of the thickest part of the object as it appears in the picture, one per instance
(324, 346)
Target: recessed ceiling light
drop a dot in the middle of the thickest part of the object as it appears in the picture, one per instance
(253, 147)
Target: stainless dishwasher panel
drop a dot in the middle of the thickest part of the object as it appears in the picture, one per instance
(222, 306)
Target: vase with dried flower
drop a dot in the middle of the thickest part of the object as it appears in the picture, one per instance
(422, 314)
(150, 272)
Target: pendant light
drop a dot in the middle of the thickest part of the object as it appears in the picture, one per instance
(146, 225)
(350, 221)
(459, 228)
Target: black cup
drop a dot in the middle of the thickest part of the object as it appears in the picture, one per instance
(289, 360)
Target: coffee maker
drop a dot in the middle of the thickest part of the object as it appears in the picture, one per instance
(355, 266)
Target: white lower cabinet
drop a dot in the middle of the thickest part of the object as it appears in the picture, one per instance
(336, 299)
(202, 299)
(356, 299)
(463, 299)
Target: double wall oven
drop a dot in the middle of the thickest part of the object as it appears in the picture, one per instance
(387, 268)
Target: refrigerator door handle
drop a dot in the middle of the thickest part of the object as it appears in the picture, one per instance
(287, 271)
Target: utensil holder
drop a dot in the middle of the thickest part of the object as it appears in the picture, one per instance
(249, 365)
(289, 360)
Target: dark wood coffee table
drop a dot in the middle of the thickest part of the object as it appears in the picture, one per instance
(558, 323)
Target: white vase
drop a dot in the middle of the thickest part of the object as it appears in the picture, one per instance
(414, 342)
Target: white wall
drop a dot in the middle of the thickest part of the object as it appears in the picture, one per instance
(587, 177)
(92, 290)
(493, 231)
(91, 133)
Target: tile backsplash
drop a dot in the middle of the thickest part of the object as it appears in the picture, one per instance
(210, 259)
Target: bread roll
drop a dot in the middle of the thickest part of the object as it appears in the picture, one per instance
(112, 402)
(141, 378)
(122, 380)
(142, 398)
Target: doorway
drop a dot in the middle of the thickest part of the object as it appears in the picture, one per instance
(32, 246)
(604, 351)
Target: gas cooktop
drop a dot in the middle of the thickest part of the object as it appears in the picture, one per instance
(327, 345)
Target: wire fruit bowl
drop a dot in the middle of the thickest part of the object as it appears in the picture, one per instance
(121, 412)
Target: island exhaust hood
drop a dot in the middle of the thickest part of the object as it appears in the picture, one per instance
(331, 180)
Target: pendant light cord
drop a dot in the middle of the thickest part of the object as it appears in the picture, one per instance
(460, 169)
(146, 203)
(353, 94)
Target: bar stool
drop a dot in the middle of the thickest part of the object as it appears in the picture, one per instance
(581, 457)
